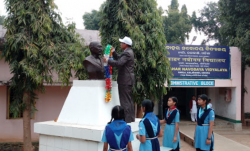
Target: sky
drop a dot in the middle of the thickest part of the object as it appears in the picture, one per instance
(74, 9)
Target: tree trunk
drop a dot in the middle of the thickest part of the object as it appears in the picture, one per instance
(27, 146)
(135, 110)
(243, 94)
(139, 112)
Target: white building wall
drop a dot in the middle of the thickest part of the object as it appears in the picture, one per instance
(220, 106)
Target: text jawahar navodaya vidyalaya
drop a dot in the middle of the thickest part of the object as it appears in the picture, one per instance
(184, 84)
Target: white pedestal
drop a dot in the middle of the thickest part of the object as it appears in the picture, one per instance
(85, 103)
(82, 119)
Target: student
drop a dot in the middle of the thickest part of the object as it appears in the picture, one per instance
(193, 109)
(117, 134)
(210, 104)
(149, 129)
(204, 139)
(171, 136)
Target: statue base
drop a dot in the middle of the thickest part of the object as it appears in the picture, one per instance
(85, 103)
(82, 120)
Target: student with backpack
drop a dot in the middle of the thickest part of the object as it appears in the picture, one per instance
(117, 134)
(149, 128)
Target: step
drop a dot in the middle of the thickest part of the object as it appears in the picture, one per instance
(223, 123)
(223, 127)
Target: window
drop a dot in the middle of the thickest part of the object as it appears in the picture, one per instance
(10, 109)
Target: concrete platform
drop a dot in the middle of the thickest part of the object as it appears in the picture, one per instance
(56, 136)
(221, 143)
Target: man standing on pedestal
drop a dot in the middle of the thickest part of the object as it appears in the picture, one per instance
(126, 78)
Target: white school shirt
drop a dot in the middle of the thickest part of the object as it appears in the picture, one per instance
(211, 106)
(194, 107)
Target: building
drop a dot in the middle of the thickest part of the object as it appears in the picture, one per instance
(211, 70)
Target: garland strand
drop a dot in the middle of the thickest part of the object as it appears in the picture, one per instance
(108, 73)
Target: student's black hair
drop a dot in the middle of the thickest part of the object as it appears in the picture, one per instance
(149, 106)
(174, 100)
(204, 97)
(117, 114)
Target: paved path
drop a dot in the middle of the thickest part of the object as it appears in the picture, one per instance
(242, 137)
(221, 143)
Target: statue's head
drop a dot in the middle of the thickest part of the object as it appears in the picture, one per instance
(95, 48)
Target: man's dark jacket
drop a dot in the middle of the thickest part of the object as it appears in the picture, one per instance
(125, 64)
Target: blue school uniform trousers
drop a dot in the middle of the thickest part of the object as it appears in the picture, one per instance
(117, 134)
(150, 127)
(202, 129)
(169, 131)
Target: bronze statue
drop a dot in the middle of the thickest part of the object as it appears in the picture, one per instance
(93, 63)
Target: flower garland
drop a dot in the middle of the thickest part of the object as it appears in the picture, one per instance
(108, 73)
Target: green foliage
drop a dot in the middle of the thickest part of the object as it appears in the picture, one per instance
(236, 18)
(160, 11)
(91, 20)
(140, 20)
(38, 46)
(210, 24)
(174, 5)
(177, 24)
(2, 18)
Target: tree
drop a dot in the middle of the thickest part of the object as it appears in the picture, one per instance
(160, 11)
(37, 45)
(174, 5)
(91, 20)
(141, 21)
(210, 24)
(235, 15)
(177, 24)
(2, 20)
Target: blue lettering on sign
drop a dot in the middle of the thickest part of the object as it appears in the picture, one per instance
(192, 83)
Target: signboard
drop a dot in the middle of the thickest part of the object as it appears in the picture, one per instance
(192, 83)
(199, 62)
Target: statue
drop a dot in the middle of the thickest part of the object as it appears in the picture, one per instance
(93, 63)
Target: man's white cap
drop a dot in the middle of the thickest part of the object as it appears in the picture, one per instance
(126, 40)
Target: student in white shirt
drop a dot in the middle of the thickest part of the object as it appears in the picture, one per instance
(193, 109)
(210, 104)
